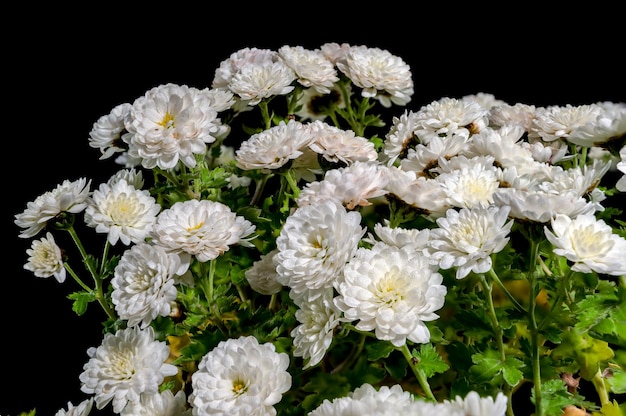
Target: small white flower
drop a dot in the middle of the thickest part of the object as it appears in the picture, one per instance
(472, 184)
(621, 166)
(318, 319)
(106, 133)
(466, 238)
(68, 197)
(399, 137)
(159, 404)
(338, 145)
(132, 177)
(83, 408)
(124, 213)
(401, 237)
(474, 405)
(203, 228)
(558, 122)
(45, 259)
(262, 275)
(311, 67)
(448, 117)
(240, 377)
(255, 82)
(126, 364)
(315, 243)
(589, 243)
(144, 283)
(519, 114)
(274, 147)
(379, 73)
(391, 291)
(237, 60)
(315, 106)
(172, 123)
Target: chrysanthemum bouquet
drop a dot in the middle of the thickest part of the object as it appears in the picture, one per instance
(270, 245)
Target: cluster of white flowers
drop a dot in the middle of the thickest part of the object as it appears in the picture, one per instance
(362, 229)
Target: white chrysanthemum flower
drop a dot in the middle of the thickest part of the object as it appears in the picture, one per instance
(426, 195)
(485, 100)
(589, 243)
(83, 408)
(609, 125)
(45, 259)
(539, 206)
(334, 51)
(398, 138)
(424, 159)
(467, 238)
(474, 405)
(274, 147)
(317, 319)
(131, 176)
(255, 82)
(240, 377)
(338, 145)
(316, 106)
(347, 186)
(221, 99)
(382, 75)
(160, 404)
(124, 213)
(312, 68)
(519, 114)
(392, 291)
(621, 166)
(237, 60)
(558, 122)
(401, 237)
(472, 183)
(144, 283)
(172, 123)
(448, 117)
(262, 275)
(314, 245)
(126, 364)
(203, 228)
(68, 197)
(106, 133)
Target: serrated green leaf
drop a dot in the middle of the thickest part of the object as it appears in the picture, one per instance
(429, 360)
(510, 371)
(377, 350)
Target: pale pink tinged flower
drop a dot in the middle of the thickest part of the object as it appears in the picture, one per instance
(314, 245)
(334, 51)
(474, 405)
(106, 133)
(558, 122)
(354, 185)
(45, 259)
(255, 82)
(448, 117)
(338, 145)
(69, 196)
(122, 212)
(399, 137)
(144, 283)
(589, 243)
(237, 60)
(240, 377)
(173, 123)
(221, 99)
(621, 166)
(392, 291)
(165, 403)
(424, 159)
(83, 408)
(519, 114)
(274, 147)
(312, 68)
(262, 275)
(466, 238)
(609, 124)
(203, 228)
(317, 319)
(381, 75)
(126, 365)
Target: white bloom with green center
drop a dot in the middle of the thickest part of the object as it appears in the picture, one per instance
(127, 364)
(203, 228)
(474, 405)
(392, 291)
(589, 243)
(144, 283)
(314, 245)
(45, 259)
(240, 377)
(69, 196)
(467, 238)
(123, 212)
(381, 75)
(165, 403)
(83, 408)
(172, 123)
(318, 319)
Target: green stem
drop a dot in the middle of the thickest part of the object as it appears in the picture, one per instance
(600, 386)
(353, 354)
(207, 287)
(419, 374)
(508, 294)
(534, 328)
(498, 333)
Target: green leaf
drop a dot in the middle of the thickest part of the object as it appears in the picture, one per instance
(429, 360)
(81, 301)
(510, 370)
(487, 365)
(378, 350)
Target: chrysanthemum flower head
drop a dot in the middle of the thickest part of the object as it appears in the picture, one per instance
(165, 403)
(83, 408)
(45, 259)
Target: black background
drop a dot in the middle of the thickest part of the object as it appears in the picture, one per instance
(64, 68)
